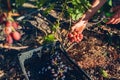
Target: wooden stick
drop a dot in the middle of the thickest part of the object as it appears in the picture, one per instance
(13, 47)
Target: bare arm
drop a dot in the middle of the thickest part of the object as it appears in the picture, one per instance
(81, 24)
(97, 4)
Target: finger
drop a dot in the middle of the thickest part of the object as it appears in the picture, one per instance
(110, 21)
(118, 18)
(115, 21)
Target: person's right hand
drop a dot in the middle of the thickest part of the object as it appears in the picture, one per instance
(76, 31)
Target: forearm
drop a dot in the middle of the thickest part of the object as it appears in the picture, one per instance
(97, 4)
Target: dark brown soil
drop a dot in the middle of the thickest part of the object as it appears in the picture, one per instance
(100, 48)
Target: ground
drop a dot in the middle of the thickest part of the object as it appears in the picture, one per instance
(99, 49)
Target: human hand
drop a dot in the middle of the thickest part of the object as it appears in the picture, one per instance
(79, 26)
(76, 31)
(115, 19)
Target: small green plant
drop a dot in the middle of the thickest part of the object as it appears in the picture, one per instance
(55, 31)
(49, 38)
(76, 8)
(104, 73)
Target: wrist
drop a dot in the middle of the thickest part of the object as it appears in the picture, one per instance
(83, 21)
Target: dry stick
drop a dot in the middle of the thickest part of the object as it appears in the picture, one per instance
(45, 31)
(71, 46)
(12, 47)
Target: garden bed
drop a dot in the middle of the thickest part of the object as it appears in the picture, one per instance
(99, 49)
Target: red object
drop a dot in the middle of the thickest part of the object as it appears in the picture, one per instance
(9, 39)
(8, 24)
(15, 25)
(75, 36)
(70, 35)
(7, 30)
(80, 37)
(16, 35)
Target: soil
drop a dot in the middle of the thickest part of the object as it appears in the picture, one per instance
(100, 48)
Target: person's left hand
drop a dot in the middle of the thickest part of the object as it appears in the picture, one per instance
(115, 19)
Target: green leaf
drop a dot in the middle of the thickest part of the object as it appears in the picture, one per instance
(78, 16)
(74, 2)
(77, 11)
(104, 73)
(78, 1)
(110, 2)
(70, 10)
(56, 26)
(49, 38)
(73, 16)
(108, 14)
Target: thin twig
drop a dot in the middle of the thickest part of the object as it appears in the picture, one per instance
(13, 47)
(71, 46)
